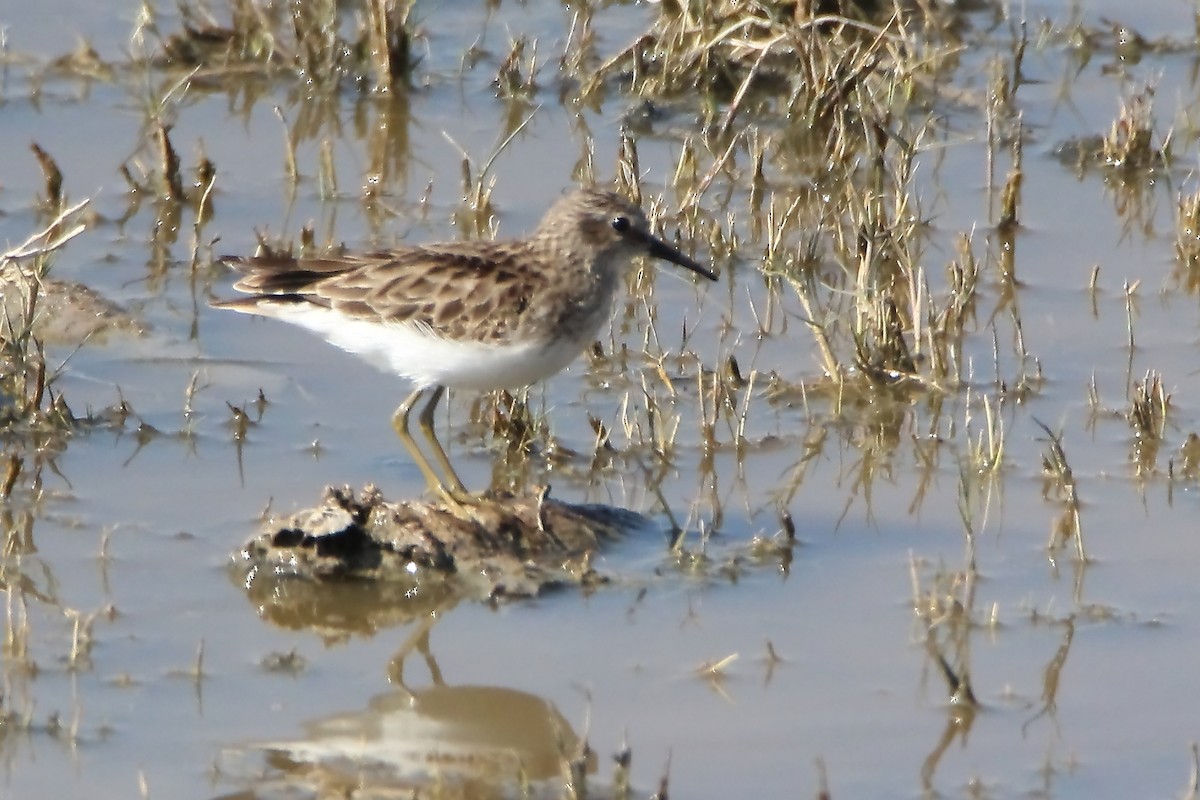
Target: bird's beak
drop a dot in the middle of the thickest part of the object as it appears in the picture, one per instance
(660, 249)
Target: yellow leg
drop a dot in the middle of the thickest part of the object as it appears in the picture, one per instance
(455, 494)
(425, 421)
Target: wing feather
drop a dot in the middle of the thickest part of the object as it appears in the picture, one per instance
(456, 290)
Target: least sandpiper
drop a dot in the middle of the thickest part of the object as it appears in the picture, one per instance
(465, 315)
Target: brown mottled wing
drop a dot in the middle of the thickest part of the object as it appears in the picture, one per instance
(474, 290)
(268, 276)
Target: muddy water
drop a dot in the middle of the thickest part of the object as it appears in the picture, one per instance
(1083, 671)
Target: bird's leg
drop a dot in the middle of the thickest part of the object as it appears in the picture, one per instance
(425, 421)
(452, 495)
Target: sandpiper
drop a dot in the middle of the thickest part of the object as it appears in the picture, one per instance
(465, 315)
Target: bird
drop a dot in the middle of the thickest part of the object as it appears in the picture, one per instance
(468, 315)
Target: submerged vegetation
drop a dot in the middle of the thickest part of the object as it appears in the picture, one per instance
(314, 42)
(35, 420)
(863, 328)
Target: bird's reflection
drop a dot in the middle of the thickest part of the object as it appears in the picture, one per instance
(478, 741)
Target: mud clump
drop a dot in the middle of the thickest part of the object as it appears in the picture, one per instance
(504, 545)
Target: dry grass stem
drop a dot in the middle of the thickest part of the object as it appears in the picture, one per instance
(1059, 484)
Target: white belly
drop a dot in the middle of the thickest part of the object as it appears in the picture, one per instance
(427, 360)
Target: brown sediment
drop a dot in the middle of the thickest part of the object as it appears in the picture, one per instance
(505, 545)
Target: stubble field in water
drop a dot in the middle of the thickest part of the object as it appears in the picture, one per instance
(977, 414)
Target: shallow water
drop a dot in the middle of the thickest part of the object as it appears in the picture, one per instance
(1082, 680)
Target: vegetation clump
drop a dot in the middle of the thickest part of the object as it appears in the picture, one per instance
(318, 42)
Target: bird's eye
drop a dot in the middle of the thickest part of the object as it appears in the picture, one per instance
(620, 224)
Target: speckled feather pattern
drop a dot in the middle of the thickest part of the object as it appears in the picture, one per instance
(536, 301)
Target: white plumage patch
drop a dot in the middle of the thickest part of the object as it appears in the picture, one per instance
(416, 353)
